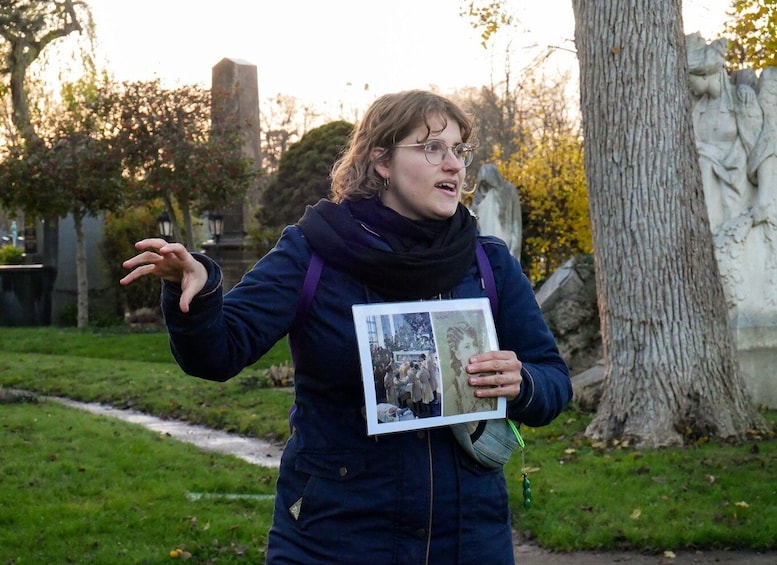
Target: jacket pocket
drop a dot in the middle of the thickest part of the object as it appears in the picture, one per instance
(340, 465)
(331, 492)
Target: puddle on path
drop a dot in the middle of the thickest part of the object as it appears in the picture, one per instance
(252, 450)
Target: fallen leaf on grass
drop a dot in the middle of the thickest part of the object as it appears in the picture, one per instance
(179, 553)
(636, 514)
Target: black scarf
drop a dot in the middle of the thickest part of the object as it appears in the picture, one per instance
(422, 258)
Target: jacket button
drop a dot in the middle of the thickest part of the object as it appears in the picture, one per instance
(343, 471)
(421, 434)
(420, 532)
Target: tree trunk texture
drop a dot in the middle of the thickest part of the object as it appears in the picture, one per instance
(671, 374)
(186, 212)
(177, 233)
(82, 281)
(20, 60)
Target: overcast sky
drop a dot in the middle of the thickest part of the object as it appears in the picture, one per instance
(324, 52)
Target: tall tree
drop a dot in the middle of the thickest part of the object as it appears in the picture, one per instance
(550, 177)
(73, 168)
(303, 174)
(538, 148)
(173, 156)
(752, 33)
(670, 368)
(27, 27)
(284, 122)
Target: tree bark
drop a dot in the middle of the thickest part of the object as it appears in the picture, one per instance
(20, 59)
(671, 373)
(24, 47)
(82, 280)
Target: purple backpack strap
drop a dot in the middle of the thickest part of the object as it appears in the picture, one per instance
(314, 273)
(309, 288)
(309, 285)
(487, 276)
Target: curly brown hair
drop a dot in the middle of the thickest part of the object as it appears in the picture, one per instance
(387, 121)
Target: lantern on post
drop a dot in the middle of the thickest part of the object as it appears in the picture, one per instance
(216, 227)
(165, 225)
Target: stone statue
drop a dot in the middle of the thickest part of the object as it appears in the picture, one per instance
(498, 208)
(718, 112)
(735, 126)
(762, 160)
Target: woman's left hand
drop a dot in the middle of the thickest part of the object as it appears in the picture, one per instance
(503, 378)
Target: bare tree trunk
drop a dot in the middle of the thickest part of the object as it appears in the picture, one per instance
(21, 61)
(186, 212)
(82, 281)
(671, 374)
(26, 40)
(177, 234)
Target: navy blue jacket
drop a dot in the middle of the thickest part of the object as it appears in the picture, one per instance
(342, 496)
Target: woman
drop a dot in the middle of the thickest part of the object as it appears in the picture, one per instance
(463, 343)
(394, 230)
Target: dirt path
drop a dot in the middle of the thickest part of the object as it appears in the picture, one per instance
(266, 454)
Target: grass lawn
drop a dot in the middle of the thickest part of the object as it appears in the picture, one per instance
(77, 488)
(585, 495)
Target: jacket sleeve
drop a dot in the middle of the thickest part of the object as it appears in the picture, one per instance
(224, 333)
(546, 388)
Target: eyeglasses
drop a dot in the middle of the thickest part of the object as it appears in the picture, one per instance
(436, 150)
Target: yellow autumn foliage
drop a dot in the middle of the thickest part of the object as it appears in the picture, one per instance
(550, 177)
(752, 33)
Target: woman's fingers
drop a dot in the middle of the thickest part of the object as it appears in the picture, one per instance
(496, 373)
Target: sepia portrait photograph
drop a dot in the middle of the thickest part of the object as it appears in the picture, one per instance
(413, 357)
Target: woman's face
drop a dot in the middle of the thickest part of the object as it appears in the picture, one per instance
(467, 348)
(417, 189)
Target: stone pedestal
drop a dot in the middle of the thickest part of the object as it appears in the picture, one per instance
(233, 256)
(25, 295)
(757, 355)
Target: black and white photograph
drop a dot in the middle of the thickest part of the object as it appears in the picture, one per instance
(413, 357)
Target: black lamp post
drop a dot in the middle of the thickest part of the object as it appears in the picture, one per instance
(165, 225)
(216, 227)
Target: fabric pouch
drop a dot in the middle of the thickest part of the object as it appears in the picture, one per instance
(489, 442)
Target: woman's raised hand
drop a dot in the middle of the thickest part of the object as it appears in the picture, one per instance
(168, 261)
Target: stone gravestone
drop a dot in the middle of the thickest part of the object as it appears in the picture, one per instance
(568, 303)
(236, 100)
(735, 125)
(567, 299)
(498, 208)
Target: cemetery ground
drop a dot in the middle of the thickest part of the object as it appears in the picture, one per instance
(75, 487)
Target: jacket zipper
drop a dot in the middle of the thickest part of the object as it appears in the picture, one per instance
(431, 497)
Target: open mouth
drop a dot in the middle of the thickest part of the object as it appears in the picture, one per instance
(446, 186)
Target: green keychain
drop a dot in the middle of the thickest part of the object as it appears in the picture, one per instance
(524, 474)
